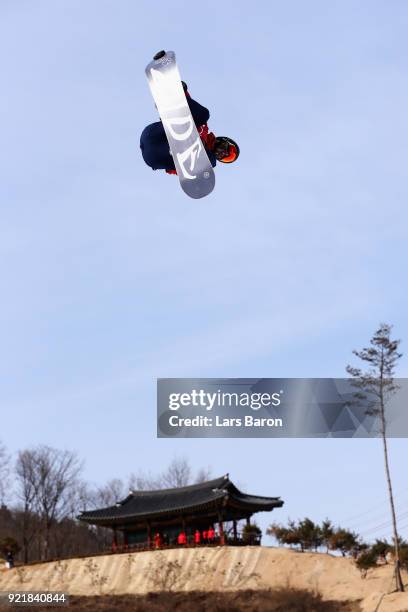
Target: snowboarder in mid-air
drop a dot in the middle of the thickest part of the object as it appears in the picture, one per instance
(154, 141)
(155, 147)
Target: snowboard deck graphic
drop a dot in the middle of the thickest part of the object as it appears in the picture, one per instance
(194, 170)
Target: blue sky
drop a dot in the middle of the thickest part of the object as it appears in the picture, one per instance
(111, 277)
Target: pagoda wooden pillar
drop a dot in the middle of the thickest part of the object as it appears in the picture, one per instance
(221, 526)
(149, 534)
(234, 524)
(115, 540)
(183, 528)
(125, 539)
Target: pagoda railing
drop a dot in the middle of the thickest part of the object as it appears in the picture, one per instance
(227, 540)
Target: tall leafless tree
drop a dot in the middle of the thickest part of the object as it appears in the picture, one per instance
(26, 493)
(47, 479)
(376, 386)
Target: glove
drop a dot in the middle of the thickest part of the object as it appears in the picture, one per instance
(207, 137)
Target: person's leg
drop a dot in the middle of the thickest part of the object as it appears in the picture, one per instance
(155, 147)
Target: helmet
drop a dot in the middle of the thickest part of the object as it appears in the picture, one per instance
(226, 150)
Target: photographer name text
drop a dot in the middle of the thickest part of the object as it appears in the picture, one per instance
(217, 421)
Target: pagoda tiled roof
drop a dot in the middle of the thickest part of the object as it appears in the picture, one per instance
(141, 504)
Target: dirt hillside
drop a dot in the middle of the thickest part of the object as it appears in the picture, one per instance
(220, 568)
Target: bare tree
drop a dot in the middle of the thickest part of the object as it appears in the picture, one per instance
(178, 473)
(376, 386)
(26, 493)
(143, 481)
(203, 474)
(4, 473)
(111, 493)
(47, 478)
(83, 497)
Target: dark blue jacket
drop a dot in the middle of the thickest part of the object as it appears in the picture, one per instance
(154, 144)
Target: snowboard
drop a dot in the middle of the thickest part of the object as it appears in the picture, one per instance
(194, 170)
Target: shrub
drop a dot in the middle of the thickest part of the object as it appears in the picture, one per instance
(347, 542)
(9, 545)
(309, 534)
(381, 548)
(251, 533)
(366, 560)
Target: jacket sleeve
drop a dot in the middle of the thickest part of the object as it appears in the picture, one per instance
(200, 113)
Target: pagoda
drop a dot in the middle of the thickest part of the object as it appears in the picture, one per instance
(164, 513)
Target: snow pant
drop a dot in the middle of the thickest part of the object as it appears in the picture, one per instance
(155, 147)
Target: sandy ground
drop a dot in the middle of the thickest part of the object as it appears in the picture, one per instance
(213, 569)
